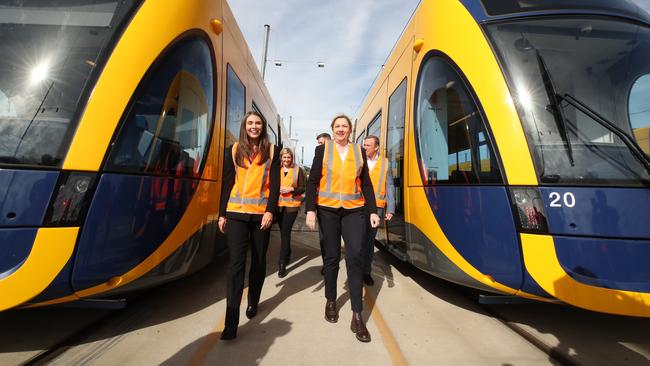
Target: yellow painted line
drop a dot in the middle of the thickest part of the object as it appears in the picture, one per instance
(394, 351)
(211, 340)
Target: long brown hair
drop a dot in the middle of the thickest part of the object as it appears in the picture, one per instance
(245, 146)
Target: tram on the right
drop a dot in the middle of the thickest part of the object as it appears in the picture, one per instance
(518, 137)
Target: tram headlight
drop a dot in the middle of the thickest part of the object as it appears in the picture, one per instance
(529, 209)
(71, 199)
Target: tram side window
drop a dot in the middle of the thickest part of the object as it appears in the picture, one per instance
(374, 128)
(453, 146)
(639, 111)
(395, 140)
(167, 128)
(273, 136)
(235, 106)
(361, 137)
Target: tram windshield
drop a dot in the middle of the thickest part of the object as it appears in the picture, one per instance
(581, 86)
(48, 51)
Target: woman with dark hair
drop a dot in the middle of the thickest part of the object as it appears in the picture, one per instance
(340, 186)
(249, 198)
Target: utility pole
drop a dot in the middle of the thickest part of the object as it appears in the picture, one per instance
(302, 156)
(289, 126)
(267, 30)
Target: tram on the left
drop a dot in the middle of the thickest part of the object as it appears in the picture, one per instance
(114, 116)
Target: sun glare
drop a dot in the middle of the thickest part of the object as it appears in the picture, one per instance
(39, 73)
(525, 98)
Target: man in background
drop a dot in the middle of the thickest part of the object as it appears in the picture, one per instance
(320, 139)
(382, 182)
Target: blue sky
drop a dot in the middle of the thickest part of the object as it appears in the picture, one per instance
(353, 39)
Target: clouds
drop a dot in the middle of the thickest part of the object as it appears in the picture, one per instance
(353, 38)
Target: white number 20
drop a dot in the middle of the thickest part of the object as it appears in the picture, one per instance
(568, 198)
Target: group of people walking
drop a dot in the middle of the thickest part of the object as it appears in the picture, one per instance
(349, 187)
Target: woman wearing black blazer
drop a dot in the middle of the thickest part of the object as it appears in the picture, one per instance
(249, 199)
(338, 189)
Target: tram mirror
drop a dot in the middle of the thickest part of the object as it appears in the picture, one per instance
(523, 44)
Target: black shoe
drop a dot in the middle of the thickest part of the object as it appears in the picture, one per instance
(322, 271)
(251, 311)
(367, 279)
(331, 315)
(229, 332)
(282, 270)
(358, 328)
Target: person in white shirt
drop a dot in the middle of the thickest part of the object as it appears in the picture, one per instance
(382, 181)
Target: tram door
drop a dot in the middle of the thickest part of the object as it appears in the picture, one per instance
(395, 232)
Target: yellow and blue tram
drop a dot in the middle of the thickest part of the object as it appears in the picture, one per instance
(517, 132)
(114, 116)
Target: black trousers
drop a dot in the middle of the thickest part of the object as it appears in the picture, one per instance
(369, 243)
(347, 223)
(285, 221)
(321, 241)
(239, 234)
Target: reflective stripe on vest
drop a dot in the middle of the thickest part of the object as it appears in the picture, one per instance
(290, 180)
(378, 176)
(340, 185)
(250, 193)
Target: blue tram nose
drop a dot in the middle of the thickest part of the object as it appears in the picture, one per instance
(24, 198)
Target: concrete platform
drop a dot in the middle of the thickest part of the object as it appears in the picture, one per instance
(413, 319)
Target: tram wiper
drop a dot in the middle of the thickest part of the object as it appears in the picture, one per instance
(631, 144)
(555, 108)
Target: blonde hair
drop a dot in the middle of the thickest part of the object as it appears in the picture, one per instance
(287, 150)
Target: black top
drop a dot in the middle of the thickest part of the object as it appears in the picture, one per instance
(229, 182)
(317, 171)
(300, 189)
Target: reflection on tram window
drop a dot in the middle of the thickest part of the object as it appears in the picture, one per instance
(451, 138)
(235, 106)
(361, 137)
(49, 50)
(167, 129)
(601, 63)
(395, 144)
(639, 110)
(374, 128)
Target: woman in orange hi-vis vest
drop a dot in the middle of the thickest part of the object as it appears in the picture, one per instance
(292, 189)
(340, 186)
(249, 199)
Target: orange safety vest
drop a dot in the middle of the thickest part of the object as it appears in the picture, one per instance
(290, 180)
(250, 193)
(378, 176)
(340, 185)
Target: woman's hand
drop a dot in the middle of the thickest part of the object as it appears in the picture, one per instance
(222, 224)
(389, 216)
(267, 220)
(285, 190)
(311, 220)
(374, 220)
